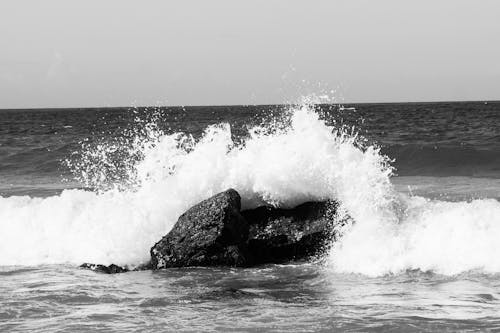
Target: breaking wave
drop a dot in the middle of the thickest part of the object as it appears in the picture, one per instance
(142, 184)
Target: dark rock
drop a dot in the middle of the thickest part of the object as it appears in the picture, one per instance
(111, 269)
(215, 233)
(211, 233)
(278, 235)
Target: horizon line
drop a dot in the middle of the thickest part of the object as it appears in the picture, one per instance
(244, 105)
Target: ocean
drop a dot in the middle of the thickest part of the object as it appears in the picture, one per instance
(421, 181)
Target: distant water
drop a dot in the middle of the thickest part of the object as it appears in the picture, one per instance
(421, 180)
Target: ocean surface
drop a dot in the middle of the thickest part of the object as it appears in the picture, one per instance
(421, 181)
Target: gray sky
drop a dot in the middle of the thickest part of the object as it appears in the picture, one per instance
(66, 53)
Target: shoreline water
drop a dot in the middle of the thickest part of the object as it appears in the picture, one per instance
(422, 257)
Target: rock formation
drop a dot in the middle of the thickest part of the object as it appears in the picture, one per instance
(278, 235)
(111, 269)
(211, 233)
(215, 232)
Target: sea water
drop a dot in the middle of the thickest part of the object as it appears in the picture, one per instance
(420, 181)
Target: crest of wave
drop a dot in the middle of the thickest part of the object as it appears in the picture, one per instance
(442, 237)
(295, 159)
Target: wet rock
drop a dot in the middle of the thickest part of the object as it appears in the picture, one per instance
(111, 269)
(278, 235)
(215, 233)
(211, 233)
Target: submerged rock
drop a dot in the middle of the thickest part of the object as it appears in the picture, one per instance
(114, 269)
(111, 269)
(211, 233)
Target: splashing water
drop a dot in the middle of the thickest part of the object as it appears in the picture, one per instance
(111, 163)
(146, 180)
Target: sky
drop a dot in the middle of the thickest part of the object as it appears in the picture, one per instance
(84, 53)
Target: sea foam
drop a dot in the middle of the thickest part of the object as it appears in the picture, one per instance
(297, 160)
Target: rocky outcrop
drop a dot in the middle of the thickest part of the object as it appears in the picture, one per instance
(111, 269)
(216, 233)
(277, 235)
(211, 233)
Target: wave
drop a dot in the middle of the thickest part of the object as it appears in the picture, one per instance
(294, 159)
(438, 236)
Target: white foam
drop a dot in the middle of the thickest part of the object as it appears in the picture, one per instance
(307, 160)
(443, 237)
(304, 162)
